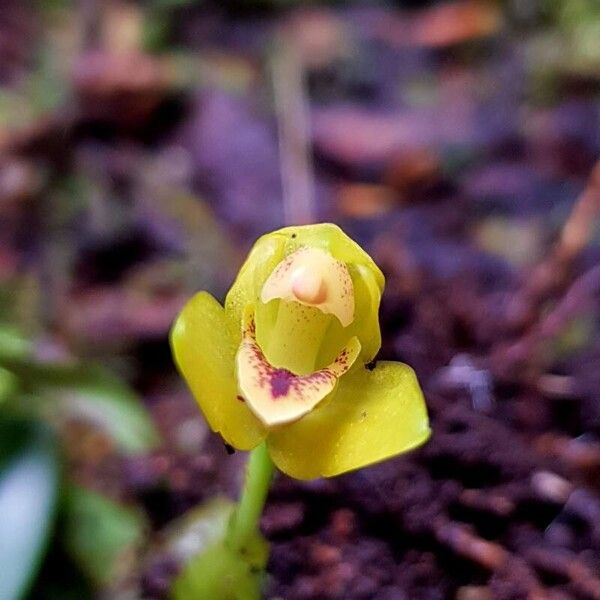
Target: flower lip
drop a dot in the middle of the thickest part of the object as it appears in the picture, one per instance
(278, 396)
(311, 276)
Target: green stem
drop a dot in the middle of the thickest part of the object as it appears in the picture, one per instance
(245, 520)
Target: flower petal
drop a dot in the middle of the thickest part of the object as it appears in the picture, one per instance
(265, 255)
(365, 327)
(278, 396)
(313, 277)
(373, 415)
(204, 351)
(331, 238)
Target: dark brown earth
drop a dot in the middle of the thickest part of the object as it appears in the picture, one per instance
(468, 172)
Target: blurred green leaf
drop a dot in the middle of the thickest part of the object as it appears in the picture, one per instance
(20, 301)
(216, 572)
(8, 384)
(158, 22)
(101, 534)
(92, 393)
(12, 343)
(198, 528)
(169, 4)
(576, 336)
(54, 5)
(29, 479)
(220, 574)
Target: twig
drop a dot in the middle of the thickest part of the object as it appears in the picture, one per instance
(554, 272)
(489, 555)
(568, 566)
(509, 359)
(463, 542)
(294, 142)
(577, 454)
(91, 23)
(488, 502)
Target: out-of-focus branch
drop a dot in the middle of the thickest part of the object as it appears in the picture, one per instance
(569, 567)
(554, 273)
(294, 133)
(528, 350)
(463, 542)
(91, 23)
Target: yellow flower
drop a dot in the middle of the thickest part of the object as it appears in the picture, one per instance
(285, 360)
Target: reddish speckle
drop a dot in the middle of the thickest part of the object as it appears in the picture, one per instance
(241, 398)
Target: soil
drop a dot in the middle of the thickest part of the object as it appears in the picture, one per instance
(473, 193)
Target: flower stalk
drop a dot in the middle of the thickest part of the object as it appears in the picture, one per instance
(245, 520)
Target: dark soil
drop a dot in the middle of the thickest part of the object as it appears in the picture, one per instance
(438, 153)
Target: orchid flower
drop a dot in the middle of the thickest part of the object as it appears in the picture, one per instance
(288, 359)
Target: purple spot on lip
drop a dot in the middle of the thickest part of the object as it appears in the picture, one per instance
(281, 380)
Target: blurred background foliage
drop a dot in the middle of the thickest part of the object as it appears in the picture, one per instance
(143, 145)
(43, 391)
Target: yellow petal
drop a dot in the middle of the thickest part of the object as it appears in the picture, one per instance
(365, 326)
(205, 354)
(313, 277)
(373, 415)
(332, 239)
(278, 396)
(266, 254)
